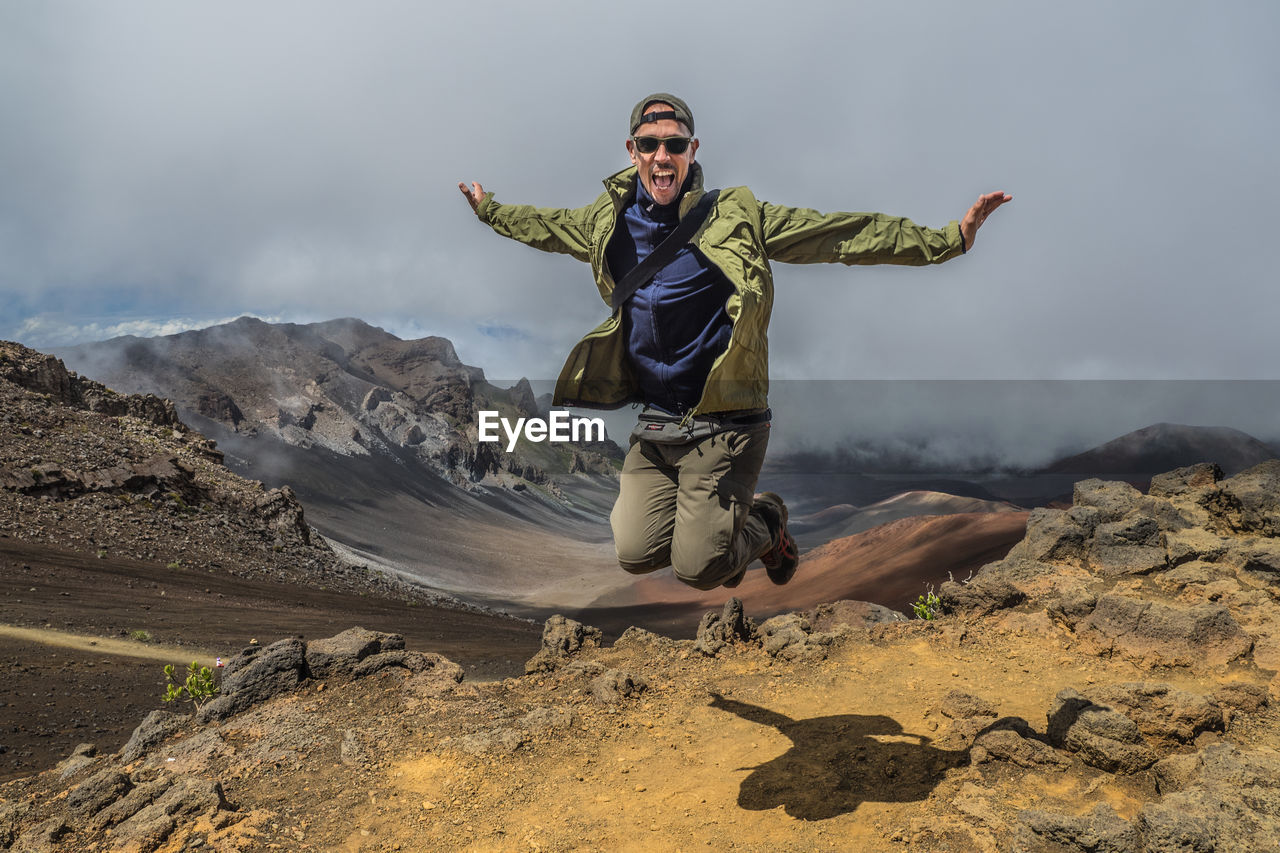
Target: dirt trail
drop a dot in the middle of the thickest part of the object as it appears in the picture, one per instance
(107, 646)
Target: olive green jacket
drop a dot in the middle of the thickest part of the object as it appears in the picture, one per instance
(740, 236)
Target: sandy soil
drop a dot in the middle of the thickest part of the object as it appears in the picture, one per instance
(741, 752)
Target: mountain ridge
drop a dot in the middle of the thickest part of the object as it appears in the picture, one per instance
(1163, 446)
(344, 385)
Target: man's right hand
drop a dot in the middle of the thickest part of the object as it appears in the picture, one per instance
(473, 195)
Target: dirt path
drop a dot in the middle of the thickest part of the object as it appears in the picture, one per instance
(105, 645)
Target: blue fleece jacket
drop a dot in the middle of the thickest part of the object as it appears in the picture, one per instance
(675, 325)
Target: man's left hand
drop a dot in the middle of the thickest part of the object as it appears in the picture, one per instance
(982, 208)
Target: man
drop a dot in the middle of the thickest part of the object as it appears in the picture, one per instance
(689, 339)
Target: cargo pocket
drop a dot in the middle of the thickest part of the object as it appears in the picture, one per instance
(736, 498)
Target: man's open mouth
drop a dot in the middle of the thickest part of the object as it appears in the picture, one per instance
(664, 180)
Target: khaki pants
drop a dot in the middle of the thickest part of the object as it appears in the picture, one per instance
(689, 506)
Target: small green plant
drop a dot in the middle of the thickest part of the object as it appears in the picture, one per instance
(140, 635)
(927, 606)
(176, 564)
(102, 553)
(197, 689)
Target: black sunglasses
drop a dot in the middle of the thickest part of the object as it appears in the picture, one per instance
(676, 145)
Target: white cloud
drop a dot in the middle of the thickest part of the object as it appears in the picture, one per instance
(299, 160)
(48, 331)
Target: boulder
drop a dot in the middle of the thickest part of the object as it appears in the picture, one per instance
(1161, 711)
(615, 685)
(282, 511)
(1052, 536)
(504, 741)
(1222, 798)
(338, 656)
(11, 815)
(561, 639)
(439, 677)
(257, 677)
(1018, 745)
(729, 626)
(156, 727)
(97, 792)
(1100, 831)
(44, 837)
(790, 636)
(847, 615)
(186, 797)
(414, 662)
(969, 714)
(1113, 500)
(1128, 547)
(1103, 738)
(547, 719)
(1071, 606)
(639, 637)
(1248, 502)
(130, 804)
(83, 756)
(1163, 634)
(1184, 480)
(1242, 696)
(985, 594)
(1260, 555)
(959, 705)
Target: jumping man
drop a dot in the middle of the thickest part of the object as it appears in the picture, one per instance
(686, 337)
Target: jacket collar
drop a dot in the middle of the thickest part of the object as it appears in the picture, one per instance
(622, 187)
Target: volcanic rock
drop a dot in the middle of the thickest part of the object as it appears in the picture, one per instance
(561, 639)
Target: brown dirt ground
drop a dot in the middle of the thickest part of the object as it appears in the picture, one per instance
(57, 691)
(740, 752)
(846, 754)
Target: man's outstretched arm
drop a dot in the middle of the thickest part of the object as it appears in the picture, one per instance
(803, 236)
(549, 229)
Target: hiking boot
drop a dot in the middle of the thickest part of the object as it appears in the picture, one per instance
(780, 561)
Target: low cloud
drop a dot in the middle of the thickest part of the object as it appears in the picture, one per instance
(45, 331)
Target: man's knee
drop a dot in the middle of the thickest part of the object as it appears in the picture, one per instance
(704, 570)
(641, 548)
(642, 540)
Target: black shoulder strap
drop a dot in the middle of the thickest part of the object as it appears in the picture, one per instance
(665, 251)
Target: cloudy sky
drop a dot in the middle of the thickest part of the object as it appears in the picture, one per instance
(170, 165)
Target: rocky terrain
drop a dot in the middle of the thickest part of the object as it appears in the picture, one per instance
(120, 524)
(115, 475)
(1107, 686)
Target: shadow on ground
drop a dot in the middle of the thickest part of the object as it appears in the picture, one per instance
(838, 762)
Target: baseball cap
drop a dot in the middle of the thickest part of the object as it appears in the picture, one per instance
(680, 111)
